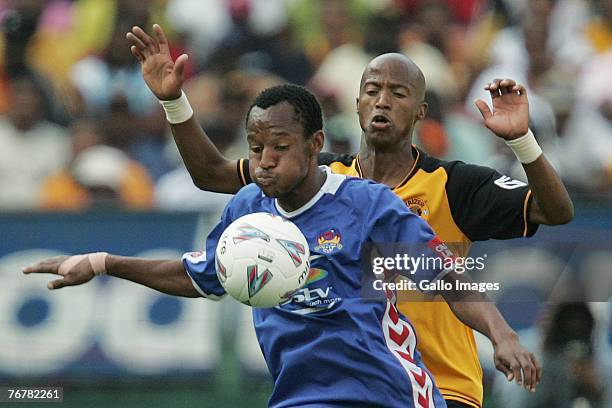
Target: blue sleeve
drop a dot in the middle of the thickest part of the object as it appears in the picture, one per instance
(395, 230)
(200, 266)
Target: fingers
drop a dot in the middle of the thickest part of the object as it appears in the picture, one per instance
(57, 284)
(137, 42)
(520, 89)
(505, 86)
(146, 44)
(493, 88)
(484, 109)
(538, 367)
(504, 369)
(509, 365)
(161, 38)
(49, 265)
(516, 372)
(529, 372)
(520, 366)
(136, 53)
(179, 67)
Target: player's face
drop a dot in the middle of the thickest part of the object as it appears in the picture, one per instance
(390, 103)
(280, 157)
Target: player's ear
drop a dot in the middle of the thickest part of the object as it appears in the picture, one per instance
(422, 111)
(357, 104)
(316, 142)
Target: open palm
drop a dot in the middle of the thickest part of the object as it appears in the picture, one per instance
(510, 116)
(162, 75)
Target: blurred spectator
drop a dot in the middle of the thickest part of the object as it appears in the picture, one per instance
(240, 38)
(30, 146)
(588, 134)
(204, 31)
(250, 45)
(431, 135)
(100, 79)
(340, 70)
(280, 56)
(461, 11)
(98, 176)
(323, 25)
(436, 69)
(340, 135)
(20, 21)
(113, 88)
(569, 361)
(599, 29)
(340, 73)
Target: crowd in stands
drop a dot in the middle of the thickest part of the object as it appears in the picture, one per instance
(79, 127)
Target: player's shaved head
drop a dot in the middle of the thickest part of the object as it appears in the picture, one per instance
(398, 67)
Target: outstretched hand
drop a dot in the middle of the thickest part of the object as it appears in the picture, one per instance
(517, 363)
(510, 116)
(74, 270)
(163, 76)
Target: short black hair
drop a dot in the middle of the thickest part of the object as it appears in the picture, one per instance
(306, 106)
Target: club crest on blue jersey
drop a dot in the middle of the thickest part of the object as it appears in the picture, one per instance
(294, 249)
(247, 232)
(329, 241)
(257, 280)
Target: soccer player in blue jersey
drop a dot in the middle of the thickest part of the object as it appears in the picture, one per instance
(331, 348)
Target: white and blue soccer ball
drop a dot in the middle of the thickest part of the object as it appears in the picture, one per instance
(262, 259)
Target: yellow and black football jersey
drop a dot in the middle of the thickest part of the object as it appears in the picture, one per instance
(462, 203)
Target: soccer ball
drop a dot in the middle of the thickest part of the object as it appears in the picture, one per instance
(262, 259)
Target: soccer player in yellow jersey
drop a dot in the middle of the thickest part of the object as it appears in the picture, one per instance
(463, 203)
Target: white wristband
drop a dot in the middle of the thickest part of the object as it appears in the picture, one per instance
(525, 148)
(177, 110)
(98, 262)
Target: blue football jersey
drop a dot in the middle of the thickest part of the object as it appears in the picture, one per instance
(327, 346)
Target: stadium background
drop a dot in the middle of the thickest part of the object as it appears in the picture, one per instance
(86, 163)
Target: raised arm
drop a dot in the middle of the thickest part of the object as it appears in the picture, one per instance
(167, 276)
(509, 120)
(209, 169)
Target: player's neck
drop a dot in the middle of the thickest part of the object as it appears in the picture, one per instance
(304, 191)
(389, 166)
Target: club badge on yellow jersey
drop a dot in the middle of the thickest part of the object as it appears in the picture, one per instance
(418, 206)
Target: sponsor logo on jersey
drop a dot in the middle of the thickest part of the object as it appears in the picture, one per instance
(294, 249)
(315, 274)
(329, 241)
(257, 280)
(310, 300)
(247, 232)
(417, 206)
(507, 183)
